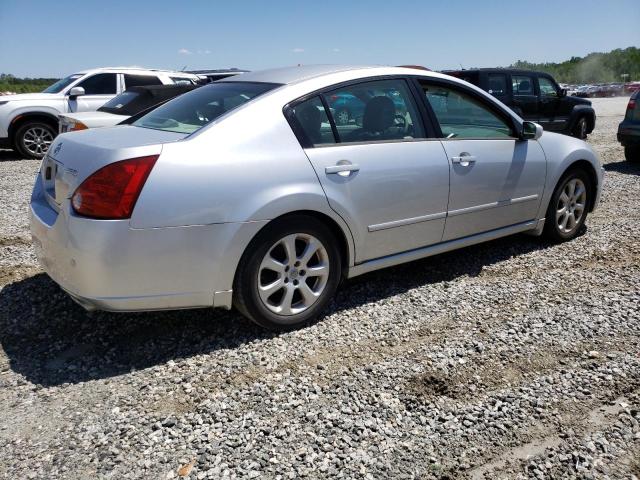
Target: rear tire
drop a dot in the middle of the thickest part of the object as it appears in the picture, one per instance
(32, 139)
(580, 128)
(288, 274)
(568, 207)
(632, 154)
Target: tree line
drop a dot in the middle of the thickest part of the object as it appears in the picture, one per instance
(9, 83)
(619, 65)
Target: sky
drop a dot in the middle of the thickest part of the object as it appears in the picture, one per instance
(55, 38)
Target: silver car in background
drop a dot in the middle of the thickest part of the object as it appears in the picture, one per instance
(247, 192)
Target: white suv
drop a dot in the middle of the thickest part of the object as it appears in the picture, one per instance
(29, 122)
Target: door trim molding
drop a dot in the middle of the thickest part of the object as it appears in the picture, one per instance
(487, 206)
(406, 221)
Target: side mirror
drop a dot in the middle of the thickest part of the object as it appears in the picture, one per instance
(563, 92)
(76, 92)
(531, 131)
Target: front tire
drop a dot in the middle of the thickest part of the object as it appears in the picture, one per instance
(568, 208)
(580, 129)
(288, 274)
(32, 140)
(632, 154)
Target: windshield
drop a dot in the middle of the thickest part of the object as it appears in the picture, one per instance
(60, 84)
(193, 110)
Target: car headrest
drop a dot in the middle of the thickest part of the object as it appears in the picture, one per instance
(379, 114)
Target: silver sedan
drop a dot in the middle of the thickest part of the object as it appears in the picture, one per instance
(249, 193)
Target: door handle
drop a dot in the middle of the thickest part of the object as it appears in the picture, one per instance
(346, 168)
(464, 159)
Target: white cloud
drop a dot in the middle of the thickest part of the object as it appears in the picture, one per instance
(298, 50)
(336, 50)
(184, 51)
(204, 52)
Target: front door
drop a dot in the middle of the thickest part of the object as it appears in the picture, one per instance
(379, 172)
(525, 99)
(98, 90)
(551, 115)
(496, 179)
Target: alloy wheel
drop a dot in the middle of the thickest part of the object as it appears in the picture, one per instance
(293, 274)
(571, 205)
(36, 140)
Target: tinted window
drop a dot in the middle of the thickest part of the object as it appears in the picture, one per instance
(497, 84)
(522, 85)
(60, 84)
(547, 88)
(462, 116)
(313, 121)
(140, 80)
(100, 84)
(191, 111)
(374, 111)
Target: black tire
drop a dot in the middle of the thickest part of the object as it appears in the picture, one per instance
(342, 116)
(552, 230)
(632, 154)
(30, 132)
(246, 297)
(580, 128)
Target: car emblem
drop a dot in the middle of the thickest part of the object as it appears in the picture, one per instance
(57, 149)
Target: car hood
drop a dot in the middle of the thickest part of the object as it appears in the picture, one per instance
(31, 97)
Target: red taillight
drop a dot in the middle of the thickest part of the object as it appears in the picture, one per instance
(631, 105)
(112, 192)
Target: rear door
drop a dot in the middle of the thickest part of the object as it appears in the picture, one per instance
(497, 86)
(525, 99)
(380, 173)
(496, 179)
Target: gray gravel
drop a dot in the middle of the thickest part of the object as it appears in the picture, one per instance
(513, 359)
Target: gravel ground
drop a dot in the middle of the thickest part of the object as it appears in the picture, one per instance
(512, 359)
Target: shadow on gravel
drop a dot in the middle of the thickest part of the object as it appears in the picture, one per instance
(51, 341)
(9, 156)
(623, 167)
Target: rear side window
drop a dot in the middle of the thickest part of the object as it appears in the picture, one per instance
(181, 81)
(497, 84)
(522, 85)
(462, 116)
(374, 111)
(191, 111)
(140, 80)
(313, 121)
(100, 84)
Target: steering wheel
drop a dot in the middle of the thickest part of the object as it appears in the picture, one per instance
(400, 122)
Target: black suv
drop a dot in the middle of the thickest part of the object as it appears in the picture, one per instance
(536, 97)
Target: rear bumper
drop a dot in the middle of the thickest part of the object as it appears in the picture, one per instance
(629, 140)
(107, 265)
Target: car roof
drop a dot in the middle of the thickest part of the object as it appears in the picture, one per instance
(134, 70)
(295, 74)
(497, 69)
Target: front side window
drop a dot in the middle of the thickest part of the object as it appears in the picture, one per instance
(100, 84)
(462, 116)
(313, 121)
(522, 85)
(193, 110)
(547, 88)
(380, 110)
(497, 84)
(140, 80)
(61, 84)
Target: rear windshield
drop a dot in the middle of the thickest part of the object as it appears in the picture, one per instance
(193, 110)
(119, 103)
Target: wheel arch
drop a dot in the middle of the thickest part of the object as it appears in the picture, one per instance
(23, 118)
(337, 227)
